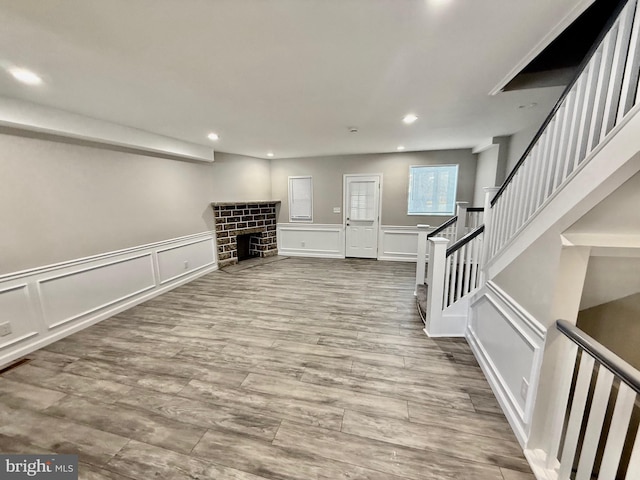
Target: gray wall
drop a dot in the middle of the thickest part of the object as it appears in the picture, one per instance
(61, 201)
(327, 175)
(485, 174)
(519, 143)
(616, 325)
(240, 178)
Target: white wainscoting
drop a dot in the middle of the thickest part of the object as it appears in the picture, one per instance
(45, 304)
(311, 240)
(395, 243)
(398, 243)
(508, 344)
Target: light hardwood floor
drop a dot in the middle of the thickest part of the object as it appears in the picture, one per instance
(297, 369)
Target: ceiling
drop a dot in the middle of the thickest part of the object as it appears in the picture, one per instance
(288, 76)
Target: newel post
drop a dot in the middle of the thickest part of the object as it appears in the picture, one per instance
(487, 218)
(423, 231)
(435, 282)
(461, 224)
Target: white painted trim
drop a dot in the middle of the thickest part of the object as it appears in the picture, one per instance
(175, 277)
(35, 331)
(290, 184)
(542, 44)
(490, 371)
(23, 115)
(520, 419)
(311, 231)
(41, 282)
(78, 261)
(397, 255)
(525, 316)
(345, 202)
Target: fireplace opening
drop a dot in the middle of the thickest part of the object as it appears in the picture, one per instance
(247, 246)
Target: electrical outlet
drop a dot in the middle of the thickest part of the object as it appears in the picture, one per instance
(302, 244)
(336, 209)
(524, 388)
(186, 265)
(5, 329)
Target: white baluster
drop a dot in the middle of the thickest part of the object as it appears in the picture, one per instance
(601, 88)
(460, 272)
(632, 70)
(575, 124)
(594, 425)
(617, 69)
(564, 137)
(587, 111)
(560, 401)
(575, 417)
(617, 432)
(633, 471)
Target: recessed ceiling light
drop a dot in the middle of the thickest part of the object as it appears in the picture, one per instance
(25, 76)
(400, 147)
(270, 154)
(213, 136)
(409, 118)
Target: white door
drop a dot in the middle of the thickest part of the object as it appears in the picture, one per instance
(361, 214)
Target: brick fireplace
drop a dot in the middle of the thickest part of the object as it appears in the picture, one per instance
(257, 219)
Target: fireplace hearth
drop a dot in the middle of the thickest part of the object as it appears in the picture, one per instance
(240, 222)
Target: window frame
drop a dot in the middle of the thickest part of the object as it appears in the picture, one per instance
(290, 182)
(433, 214)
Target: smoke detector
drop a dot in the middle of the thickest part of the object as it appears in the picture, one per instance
(353, 129)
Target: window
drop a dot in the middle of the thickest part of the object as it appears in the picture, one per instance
(432, 189)
(300, 199)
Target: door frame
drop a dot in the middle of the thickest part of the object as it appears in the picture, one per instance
(344, 208)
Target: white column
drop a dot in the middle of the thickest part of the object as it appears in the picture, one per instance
(435, 282)
(461, 224)
(489, 193)
(423, 231)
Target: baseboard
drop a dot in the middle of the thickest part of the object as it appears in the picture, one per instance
(43, 305)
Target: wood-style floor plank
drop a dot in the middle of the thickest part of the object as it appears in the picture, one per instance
(293, 370)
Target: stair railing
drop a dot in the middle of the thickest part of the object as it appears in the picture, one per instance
(599, 98)
(575, 436)
(465, 220)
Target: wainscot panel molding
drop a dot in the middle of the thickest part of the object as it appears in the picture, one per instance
(45, 304)
(398, 243)
(508, 344)
(311, 240)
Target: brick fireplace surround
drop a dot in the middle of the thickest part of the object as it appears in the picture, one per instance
(255, 218)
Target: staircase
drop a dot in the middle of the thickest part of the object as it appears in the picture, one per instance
(541, 371)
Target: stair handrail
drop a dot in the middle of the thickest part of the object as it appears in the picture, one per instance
(585, 61)
(464, 240)
(612, 362)
(446, 224)
(475, 209)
